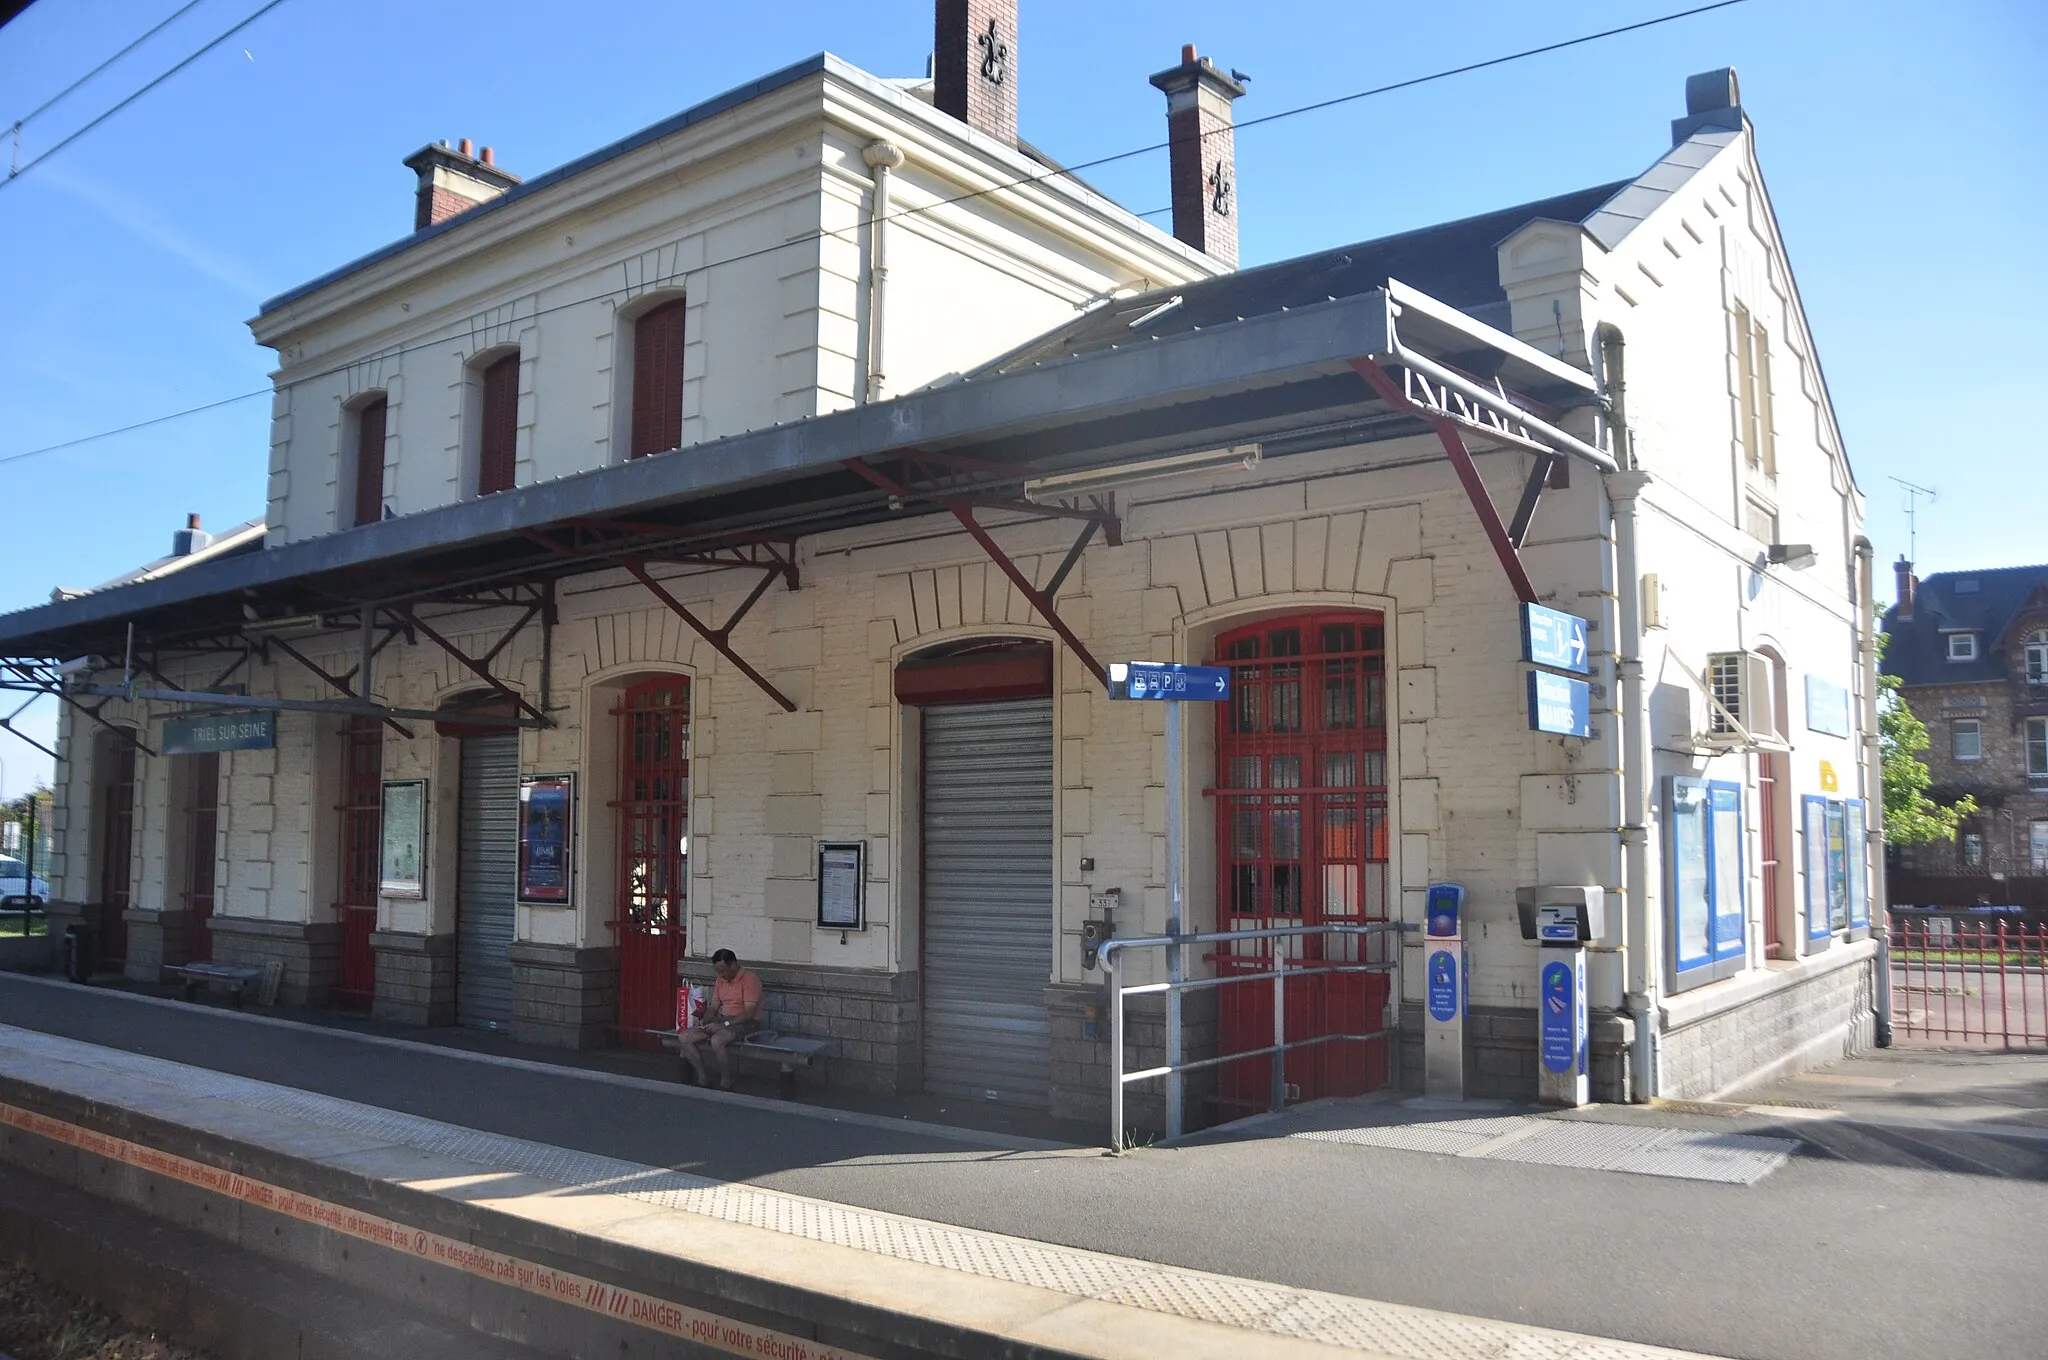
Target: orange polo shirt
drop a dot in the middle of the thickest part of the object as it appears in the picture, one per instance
(729, 998)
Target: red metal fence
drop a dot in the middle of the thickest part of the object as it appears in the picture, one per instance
(1970, 982)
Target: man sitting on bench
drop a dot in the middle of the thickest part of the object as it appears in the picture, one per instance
(734, 1013)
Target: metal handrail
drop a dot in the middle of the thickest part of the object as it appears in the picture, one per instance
(1110, 954)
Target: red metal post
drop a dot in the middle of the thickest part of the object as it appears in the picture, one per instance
(1468, 474)
(719, 638)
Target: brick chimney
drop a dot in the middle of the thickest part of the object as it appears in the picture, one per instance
(974, 64)
(453, 180)
(1203, 154)
(1908, 587)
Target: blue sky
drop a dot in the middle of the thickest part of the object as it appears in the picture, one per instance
(1900, 144)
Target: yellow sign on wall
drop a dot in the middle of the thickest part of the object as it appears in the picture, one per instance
(1828, 782)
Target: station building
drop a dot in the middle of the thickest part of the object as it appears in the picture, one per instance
(654, 543)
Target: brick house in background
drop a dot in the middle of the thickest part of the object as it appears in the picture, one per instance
(1971, 651)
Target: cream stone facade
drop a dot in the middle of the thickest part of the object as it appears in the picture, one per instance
(1658, 294)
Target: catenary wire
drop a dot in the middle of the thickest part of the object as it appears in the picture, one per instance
(822, 234)
(58, 97)
(18, 172)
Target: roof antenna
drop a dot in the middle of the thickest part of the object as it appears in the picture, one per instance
(1913, 494)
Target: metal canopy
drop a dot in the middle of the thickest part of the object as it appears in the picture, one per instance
(1289, 379)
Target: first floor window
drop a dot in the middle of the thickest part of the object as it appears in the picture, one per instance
(1708, 881)
(1966, 740)
(2037, 847)
(2037, 748)
(1973, 849)
(498, 427)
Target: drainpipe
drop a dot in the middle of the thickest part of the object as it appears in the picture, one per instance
(881, 158)
(1873, 789)
(1644, 934)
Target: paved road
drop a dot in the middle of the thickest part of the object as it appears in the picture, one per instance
(1887, 1244)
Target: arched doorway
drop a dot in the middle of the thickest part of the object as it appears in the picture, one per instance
(1301, 839)
(985, 828)
(652, 804)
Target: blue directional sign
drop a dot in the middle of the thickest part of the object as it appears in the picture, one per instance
(1443, 985)
(1551, 637)
(1165, 680)
(1556, 1016)
(1560, 704)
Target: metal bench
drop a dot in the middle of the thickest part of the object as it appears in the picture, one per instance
(787, 1051)
(236, 979)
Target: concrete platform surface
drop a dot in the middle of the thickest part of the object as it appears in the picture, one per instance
(1028, 1298)
(1824, 1257)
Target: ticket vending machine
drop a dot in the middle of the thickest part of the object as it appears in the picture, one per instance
(1562, 920)
(1444, 1001)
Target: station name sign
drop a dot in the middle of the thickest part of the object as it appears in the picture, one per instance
(195, 734)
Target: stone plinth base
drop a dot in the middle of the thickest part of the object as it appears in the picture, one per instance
(1500, 1052)
(155, 938)
(415, 978)
(563, 996)
(871, 1019)
(309, 951)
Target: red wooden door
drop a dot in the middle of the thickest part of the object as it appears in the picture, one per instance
(202, 825)
(362, 822)
(117, 842)
(369, 506)
(1301, 839)
(653, 808)
(658, 380)
(497, 448)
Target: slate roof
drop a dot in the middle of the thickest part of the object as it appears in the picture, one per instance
(1453, 262)
(1983, 602)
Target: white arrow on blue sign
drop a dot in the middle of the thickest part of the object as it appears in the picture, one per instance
(1166, 680)
(1551, 637)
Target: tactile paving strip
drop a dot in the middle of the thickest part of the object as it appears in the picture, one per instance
(1732, 1158)
(1358, 1324)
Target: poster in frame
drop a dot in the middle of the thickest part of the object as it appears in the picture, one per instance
(402, 853)
(842, 871)
(547, 812)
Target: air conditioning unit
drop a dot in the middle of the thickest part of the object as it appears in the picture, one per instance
(1741, 710)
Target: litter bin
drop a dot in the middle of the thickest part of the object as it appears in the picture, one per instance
(78, 946)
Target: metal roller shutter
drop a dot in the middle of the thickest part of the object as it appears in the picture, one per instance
(488, 867)
(988, 900)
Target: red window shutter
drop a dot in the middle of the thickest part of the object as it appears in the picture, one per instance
(497, 450)
(370, 463)
(658, 380)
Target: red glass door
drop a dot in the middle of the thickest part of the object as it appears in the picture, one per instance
(362, 825)
(1301, 839)
(117, 843)
(653, 808)
(202, 825)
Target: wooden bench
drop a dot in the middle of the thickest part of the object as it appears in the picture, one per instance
(236, 979)
(787, 1051)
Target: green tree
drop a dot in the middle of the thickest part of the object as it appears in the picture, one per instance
(1911, 817)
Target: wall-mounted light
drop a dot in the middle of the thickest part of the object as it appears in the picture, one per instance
(1797, 556)
(1238, 457)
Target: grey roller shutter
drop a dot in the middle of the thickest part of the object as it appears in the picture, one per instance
(988, 900)
(489, 865)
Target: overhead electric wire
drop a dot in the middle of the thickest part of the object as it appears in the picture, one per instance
(18, 171)
(822, 234)
(56, 98)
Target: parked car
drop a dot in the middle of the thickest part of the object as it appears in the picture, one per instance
(12, 875)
